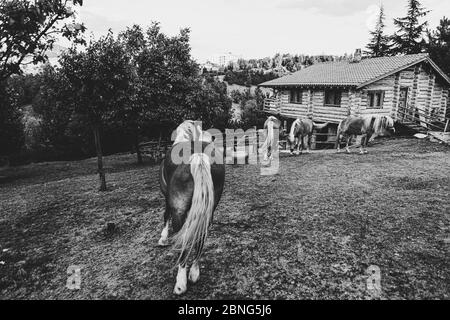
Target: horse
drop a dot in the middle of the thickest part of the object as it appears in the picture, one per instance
(367, 126)
(270, 147)
(301, 134)
(192, 192)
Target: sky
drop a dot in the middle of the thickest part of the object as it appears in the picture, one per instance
(256, 28)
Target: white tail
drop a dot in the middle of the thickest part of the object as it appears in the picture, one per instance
(269, 139)
(195, 228)
(320, 126)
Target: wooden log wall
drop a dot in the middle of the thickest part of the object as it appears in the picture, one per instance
(426, 91)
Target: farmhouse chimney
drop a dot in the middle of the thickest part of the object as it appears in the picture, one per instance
(357, 57)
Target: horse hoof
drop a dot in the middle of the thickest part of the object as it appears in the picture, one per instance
(163, 243)
(194, 274)
(179, 290)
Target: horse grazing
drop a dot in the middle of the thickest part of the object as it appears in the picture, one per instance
(368, 127)
(192, 189)
(301, 134)
(270, 147)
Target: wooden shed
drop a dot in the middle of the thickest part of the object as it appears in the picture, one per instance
(411, 88)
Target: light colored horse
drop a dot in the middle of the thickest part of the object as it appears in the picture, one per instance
(368, 127)
(192, 191)
(301, 134)
(270, 146)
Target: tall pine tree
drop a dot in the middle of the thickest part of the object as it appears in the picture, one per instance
(379, 45)
(409, 38)
(439, 46)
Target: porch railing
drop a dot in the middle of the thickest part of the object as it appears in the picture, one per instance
(427, 120)
(272, 105)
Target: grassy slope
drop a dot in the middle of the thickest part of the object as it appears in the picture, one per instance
(310, 232)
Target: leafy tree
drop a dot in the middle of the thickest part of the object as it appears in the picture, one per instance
(439, 47)
(134, 114)
(209, 103)
(30, 28)
(11, 126)
(379, 44)
(409, 38)
(168, 74)
(100, 79)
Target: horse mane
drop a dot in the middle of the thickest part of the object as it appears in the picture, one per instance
(294, 125)
(190, 131)
(378, 123)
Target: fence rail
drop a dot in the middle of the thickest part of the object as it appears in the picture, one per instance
(431, 121)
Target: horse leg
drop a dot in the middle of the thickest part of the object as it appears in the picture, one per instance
(363, 142)
(348, 142)
(181, 285)
(366, 141)
(163, 241)
(338, 142)
(308, 143)
(194, 272)
(179, 202)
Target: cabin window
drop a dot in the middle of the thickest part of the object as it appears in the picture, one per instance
(333, 98)
(375, 99)
(296, 96)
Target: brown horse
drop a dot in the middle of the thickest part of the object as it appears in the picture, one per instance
(301, 134)
(192, 189)
(368, 127)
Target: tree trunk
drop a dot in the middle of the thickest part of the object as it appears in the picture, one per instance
(98, 148)
(136, 145)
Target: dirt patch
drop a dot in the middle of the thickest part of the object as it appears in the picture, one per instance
(310, 232)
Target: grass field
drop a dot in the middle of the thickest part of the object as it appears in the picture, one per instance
(310, 232)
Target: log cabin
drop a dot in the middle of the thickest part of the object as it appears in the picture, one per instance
(412, 89)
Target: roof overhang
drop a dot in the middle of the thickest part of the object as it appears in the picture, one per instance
(309, 85)
(424, 59)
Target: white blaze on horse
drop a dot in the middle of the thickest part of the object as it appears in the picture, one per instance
(368, 127)
(301, 134)
(192, 189)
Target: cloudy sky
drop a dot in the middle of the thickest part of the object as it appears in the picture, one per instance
(255, 28)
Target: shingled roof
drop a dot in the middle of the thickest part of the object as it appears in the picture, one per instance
(355, 74)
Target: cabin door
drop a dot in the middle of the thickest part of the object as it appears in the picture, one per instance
(402, 104)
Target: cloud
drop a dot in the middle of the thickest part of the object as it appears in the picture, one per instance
(329, 7)
(372, 12)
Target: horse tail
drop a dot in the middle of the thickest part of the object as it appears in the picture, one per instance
(195, 228)
(269, 139)
(320, 126)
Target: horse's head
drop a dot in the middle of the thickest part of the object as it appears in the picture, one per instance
(385, 126)
(292, 134)
(390, 125)
(188, 131)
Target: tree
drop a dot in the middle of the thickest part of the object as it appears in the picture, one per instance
(439, 45)
(409, 38)
(133, 114)
(379, 45)
(99, 78)
(11, 126)
(168, 74)
(30, 28)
